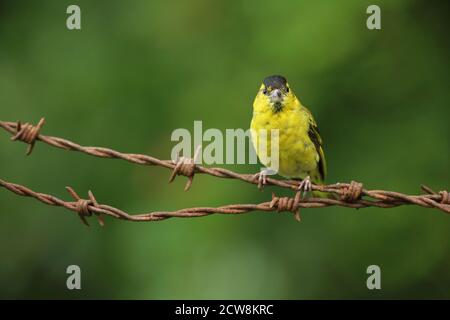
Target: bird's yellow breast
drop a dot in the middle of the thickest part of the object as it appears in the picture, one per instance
(297, 153)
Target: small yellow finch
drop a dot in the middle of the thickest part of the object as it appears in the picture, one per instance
(301, 153)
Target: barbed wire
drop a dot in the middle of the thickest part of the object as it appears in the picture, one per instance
(351, 195)
(86, 208)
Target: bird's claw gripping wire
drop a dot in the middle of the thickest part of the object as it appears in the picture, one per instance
(261, 177)
(305, 186)
(186, 167)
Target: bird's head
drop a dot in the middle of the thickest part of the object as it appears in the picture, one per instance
(275, 91)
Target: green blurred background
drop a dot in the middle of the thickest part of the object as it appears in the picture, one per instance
(139, 69)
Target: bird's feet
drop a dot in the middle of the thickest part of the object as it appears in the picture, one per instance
(305, 186)
(261, 177)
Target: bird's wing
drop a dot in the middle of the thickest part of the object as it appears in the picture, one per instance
(314, 135)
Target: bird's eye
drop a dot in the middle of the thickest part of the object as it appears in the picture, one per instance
(265, 91)
(287, 89)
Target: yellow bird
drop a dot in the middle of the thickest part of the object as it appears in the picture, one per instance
(301, 154)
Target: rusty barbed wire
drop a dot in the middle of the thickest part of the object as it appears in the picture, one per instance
(351, 195)
(86, 208)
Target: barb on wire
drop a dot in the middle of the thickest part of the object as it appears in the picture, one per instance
(186, 167)
(351, 195)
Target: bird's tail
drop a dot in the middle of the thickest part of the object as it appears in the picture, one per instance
(320, 194)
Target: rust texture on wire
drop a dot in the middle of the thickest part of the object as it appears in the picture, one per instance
(351, 195)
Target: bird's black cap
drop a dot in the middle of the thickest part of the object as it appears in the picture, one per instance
(277, 82)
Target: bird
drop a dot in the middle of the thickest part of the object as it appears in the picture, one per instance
(301, 153)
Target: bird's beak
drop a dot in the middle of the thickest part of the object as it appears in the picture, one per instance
(276, 99)
(276, 96)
